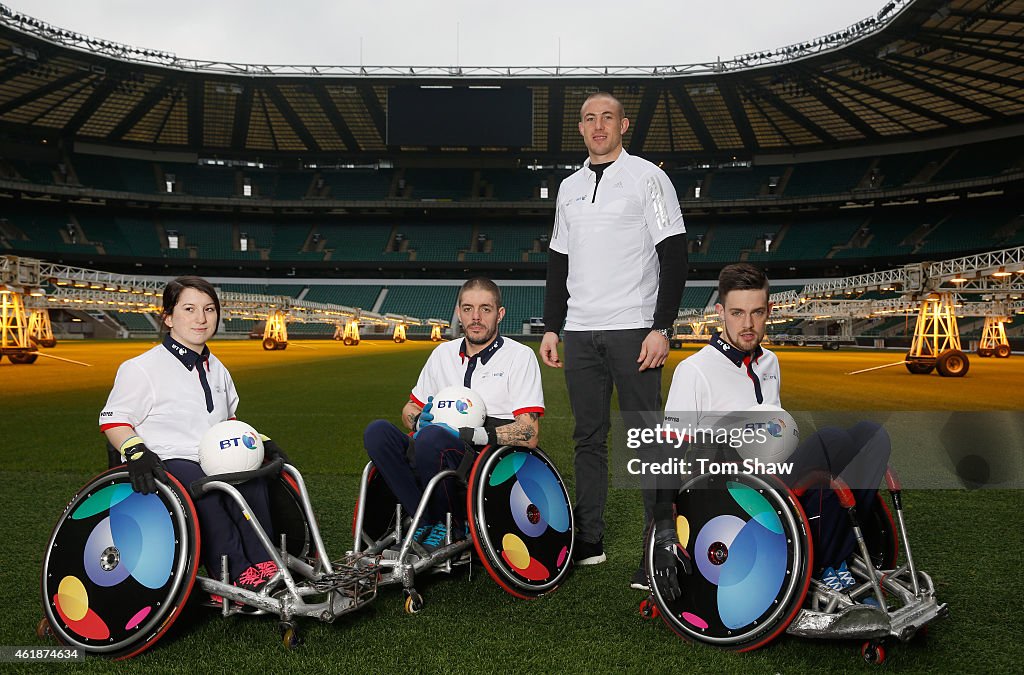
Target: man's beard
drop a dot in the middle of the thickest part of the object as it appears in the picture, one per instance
(482, 340)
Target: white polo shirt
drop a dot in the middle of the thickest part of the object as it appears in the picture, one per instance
(506, 375)
(159, 395)
(610, 240)
(720, 378)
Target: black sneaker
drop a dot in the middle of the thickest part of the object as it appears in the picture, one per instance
(586, 553)
(639, 579)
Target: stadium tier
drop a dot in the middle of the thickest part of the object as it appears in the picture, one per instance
(740, 183)
(135, 323)
(356, 184)
(822, 178)
(364, 297)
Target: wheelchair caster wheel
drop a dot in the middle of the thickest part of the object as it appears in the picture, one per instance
(873, 653)
(290, 637)
(43, 629)
(413, 603)
(649, 610)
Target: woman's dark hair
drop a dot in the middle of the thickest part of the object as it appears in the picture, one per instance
(741, 277)
(172, 293)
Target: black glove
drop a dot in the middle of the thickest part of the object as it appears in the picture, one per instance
(272, 450)
(144, 468)
(668, 555)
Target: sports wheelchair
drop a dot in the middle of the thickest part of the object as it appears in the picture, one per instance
(120, 566)
(749, 541)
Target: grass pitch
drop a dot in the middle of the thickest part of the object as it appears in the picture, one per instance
(316, 397)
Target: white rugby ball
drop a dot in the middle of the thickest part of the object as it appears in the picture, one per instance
(777, 433)
(229, 447)
(459, 407)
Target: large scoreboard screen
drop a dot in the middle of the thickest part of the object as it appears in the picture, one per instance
(474, 117)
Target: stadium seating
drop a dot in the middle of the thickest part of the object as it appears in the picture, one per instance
(724, 242)
(358, 242)
(823, 178)
(507, 243)
(983, 159)
(886, 237)
(440, 184)
(898, 170)
(33, 172)
(808, 240)
(962, 232)
(369, 184)
(212, 240)
(741, 183)
(351, 295)
(522, 303)
(110, 173)
(437, 243)
(203, 181)
(696, 297)
(134, 322)
(427, 302)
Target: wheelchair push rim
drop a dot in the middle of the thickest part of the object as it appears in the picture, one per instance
(750, 548)
(520, 519)
(119, 565)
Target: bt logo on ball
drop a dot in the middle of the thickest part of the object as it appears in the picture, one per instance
(248, 439)
(461, 405)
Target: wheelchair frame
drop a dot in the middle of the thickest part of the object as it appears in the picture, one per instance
(829, 614)
(306, 585)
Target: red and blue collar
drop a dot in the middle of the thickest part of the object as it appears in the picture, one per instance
(737, 356)
(485, 355)
(188, 357)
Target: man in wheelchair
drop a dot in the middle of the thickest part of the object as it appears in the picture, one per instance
(505, 373)
(735, 373)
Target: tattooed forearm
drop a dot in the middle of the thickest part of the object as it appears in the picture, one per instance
(523, 431)
(409, 414)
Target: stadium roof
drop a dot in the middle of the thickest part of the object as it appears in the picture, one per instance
(920, 68)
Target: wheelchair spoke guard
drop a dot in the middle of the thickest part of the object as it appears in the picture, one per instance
(520, 519)
(120, 565)
(749, 543)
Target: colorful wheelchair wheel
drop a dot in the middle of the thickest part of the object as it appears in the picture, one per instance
(120, 565)
(288, 517)
(379, 512)
(749, 543)
(520, 519)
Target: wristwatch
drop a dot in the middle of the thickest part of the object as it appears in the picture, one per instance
(664, 332)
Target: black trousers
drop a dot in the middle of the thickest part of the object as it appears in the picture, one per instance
(595, 361)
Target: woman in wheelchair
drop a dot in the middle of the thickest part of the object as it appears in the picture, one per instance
(503, 372)
(162, 403)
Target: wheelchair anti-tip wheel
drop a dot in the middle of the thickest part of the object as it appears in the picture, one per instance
(120, 565)
(520, 519)
(751, 552)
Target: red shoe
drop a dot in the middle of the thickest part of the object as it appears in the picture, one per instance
(251, 579)
(268, 569)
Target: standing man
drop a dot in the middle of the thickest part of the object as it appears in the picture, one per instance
(505, 374)
(616, 271)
